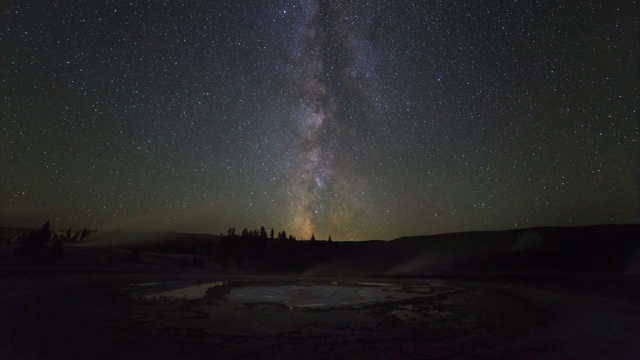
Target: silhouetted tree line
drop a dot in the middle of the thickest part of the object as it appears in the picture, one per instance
(44, 247)
(262, 251)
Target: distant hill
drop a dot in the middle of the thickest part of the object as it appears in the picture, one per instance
(600, 248)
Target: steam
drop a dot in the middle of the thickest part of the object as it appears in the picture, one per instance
(633, 267)
(527, 241)
(124, 238)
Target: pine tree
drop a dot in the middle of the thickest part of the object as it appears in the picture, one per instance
(84, 234)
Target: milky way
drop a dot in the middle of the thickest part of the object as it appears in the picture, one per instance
(325, 52)
(353, 119)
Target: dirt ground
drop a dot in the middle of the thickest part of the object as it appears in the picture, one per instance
(125, 316)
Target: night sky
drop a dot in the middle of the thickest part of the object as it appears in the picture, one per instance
(355, 119)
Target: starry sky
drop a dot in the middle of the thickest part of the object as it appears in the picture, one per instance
(355, 119)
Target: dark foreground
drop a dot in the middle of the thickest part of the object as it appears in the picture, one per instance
(196, 317)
